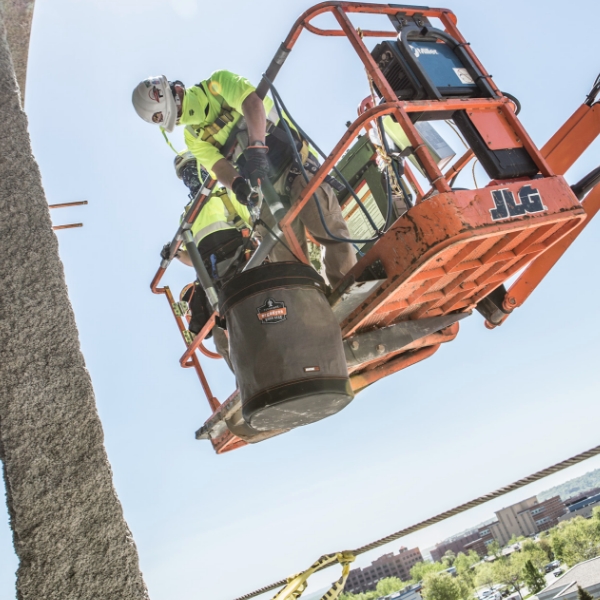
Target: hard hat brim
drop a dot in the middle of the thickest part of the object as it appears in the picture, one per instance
(170, 112)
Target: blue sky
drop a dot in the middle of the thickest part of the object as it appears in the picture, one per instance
(485, 410)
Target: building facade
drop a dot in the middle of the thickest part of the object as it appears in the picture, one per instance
(389, 565)
(583, 496)
(526, 518)
(582, 506)
(456, 544)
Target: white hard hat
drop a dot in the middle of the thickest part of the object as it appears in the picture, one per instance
(154, 102)
(181, 160)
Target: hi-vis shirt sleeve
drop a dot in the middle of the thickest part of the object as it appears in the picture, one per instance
(234, 88)
(206, 154)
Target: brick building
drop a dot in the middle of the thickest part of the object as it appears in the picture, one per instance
(480, 545)
(456, 544)
(524, 518)
(389, 565)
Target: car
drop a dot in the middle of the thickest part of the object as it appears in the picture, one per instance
(558, 572)
(490, 595)
(551, 566)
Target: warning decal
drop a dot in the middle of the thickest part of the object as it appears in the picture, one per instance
(464, 76)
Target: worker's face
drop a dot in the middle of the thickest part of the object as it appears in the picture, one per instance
(180, 92)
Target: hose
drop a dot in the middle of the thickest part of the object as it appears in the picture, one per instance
(405, 193)
(582, 187)
(591, 97)
(281, 108)
(515, 101)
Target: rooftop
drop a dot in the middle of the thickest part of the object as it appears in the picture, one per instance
(586, 574)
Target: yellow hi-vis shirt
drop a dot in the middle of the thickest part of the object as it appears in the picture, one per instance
(203, 103)
(215, 216)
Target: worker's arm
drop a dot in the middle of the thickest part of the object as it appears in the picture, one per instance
(225, 172)
(256, 118)
(184, 257)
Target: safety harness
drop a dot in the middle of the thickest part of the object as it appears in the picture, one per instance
(223, 119)
(232, 214)
(276, 140)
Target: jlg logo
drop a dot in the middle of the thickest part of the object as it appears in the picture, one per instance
(507, 205)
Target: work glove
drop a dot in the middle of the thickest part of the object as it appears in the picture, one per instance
(257, 163)
(189, 175)
(166, 249)
(243, 192)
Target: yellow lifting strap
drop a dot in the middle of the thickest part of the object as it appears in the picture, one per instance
(162, 129)
(304, 151)
(298, 583)
(223, 194)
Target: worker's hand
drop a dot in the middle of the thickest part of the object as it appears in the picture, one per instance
(166, 249)
(257, 163)
(243, 192)
(189, 175)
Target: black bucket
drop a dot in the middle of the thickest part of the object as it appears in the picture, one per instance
(285, 345)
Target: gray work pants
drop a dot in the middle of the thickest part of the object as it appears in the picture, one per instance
(338, 257)
(222, 345)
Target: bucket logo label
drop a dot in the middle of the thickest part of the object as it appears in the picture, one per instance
(507, 206)
(271, 312)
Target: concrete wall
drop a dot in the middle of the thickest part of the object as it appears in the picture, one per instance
(68, 527)
(18, 15)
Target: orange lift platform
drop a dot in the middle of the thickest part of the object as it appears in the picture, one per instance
(453, 249)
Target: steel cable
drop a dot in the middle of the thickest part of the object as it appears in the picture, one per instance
(565, 464)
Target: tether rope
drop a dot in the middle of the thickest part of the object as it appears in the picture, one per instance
(565, 464)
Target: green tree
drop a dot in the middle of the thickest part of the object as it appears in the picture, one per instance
(441, 586)
(533, 578)
(372, 595)
(484, 575)
(466, 562)
(494, 549)
(421, 569)
(389, 585)
(466, 587)
(544, 545)
(449, 558)
(535, 553)
(465, 567)
(583, 594)
(509, 571)
(577, 540)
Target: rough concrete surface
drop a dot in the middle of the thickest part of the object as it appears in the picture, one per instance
(68, 527)
(17, 22)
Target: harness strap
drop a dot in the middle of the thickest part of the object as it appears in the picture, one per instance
(223, 119)
(312, 165)
(232, 212)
